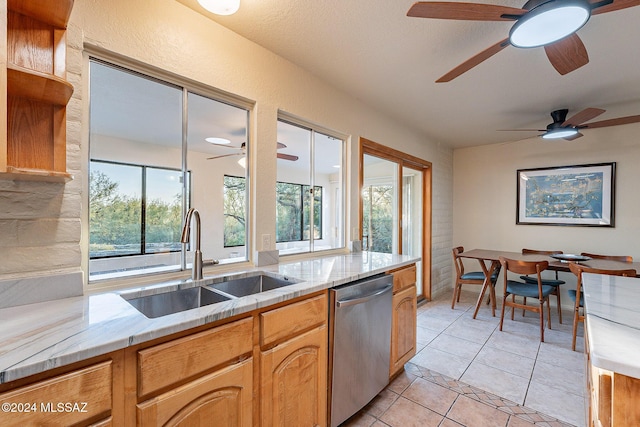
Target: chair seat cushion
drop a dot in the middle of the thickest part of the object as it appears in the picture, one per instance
(572, 295)
(527, 290)
(549, 282)
(478, 275)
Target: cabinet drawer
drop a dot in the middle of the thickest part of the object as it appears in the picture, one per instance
(177, 360)
(284, 322)
(67, 399)
(404, 277)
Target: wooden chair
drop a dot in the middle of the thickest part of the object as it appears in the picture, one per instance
(551, 282)
(470, 278)
(620, 258)
(576, 295)
(515, 288)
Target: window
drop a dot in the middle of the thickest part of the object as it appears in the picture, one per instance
(157, 149)
(310, 188)
(293, 212)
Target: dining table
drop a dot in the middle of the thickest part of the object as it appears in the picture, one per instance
(489, 260)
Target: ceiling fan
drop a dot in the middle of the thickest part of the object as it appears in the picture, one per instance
(548, 23)
(243, 149)
(569, 129)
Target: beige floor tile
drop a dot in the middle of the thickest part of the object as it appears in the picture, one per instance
(506, 361)
(401, 382)
(380, 403)
(430, 395)
(458, 346)
(477, 330)
(519, 422)
(448, 423)
(424, 336)
(562, 356)
(469, 412)
(361, 419)
(559, 377)
(556, 402)
(434, 323)
(515, 343)
(405, 413)
(442, 362)
(496, 381)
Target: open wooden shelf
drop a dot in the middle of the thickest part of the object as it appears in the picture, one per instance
(37, 86)
(35, 145)
(51, 12)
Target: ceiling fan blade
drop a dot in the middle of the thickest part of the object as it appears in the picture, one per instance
(473, 61)
(583, 116)
(572, 137)
(615, 5)
(522, 130)
(567, 54)
(287, 157)
(281, 145)
(464, 11)
(225, 155)
(611, 122)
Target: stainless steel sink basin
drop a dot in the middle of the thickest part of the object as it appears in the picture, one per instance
(158, 305)
(251, 285)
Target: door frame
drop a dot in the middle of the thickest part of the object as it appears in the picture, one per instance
(403, 160)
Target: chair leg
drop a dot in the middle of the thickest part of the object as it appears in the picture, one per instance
(525, 303)
(513, 308)
(576, 314)
(504, 300)
(453, 300)
(549, 311)
(541, 313)
(559, 305)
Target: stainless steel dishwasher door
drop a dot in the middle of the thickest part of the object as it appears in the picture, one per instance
(361, 344)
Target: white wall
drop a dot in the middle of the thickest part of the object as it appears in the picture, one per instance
(484, 194)
(172, 37)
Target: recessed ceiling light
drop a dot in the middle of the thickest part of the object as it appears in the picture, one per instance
(219, 141)
(221, 7)
(336, 166)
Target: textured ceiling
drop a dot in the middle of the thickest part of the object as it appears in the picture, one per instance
(372, 50)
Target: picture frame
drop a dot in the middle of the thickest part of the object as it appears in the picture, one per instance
(576, 195)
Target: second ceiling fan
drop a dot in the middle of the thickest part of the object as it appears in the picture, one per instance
(548, 23)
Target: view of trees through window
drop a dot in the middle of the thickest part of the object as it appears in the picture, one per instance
(377, 214)
(293, 212)
(133, 209)
(234, 208)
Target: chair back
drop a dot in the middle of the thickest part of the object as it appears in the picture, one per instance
(537, 252)
(620, 258)
(457, 261)
(578, 269)
(523, 267)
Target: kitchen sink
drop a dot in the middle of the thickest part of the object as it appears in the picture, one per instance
(162, 304)
(250, 285)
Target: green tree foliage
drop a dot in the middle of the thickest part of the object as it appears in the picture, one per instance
(234, 211)
(377, 218)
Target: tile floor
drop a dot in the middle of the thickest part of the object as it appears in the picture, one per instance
(468, 373)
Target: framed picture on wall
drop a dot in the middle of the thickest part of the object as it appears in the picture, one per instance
(579, 195)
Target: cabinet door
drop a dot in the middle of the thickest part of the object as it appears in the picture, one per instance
(294, 381)
(222, 398)
(403, 329)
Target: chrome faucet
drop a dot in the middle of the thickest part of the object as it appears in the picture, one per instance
(196, 271)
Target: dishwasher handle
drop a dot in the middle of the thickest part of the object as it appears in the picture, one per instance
(360, 300)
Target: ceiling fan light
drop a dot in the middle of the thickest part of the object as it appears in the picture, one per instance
(560, 133)
(221, 7)
(243, 162)
(549, 22)
(218, 141)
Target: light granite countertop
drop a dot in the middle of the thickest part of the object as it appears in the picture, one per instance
(613, 322)
(42, 336)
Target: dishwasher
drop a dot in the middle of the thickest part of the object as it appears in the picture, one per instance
(361, 330)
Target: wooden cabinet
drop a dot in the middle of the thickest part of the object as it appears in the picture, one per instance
(293, 379)
(87, 396)
(201, 377)
(403, 320)
(613, 398)
(34, 146)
